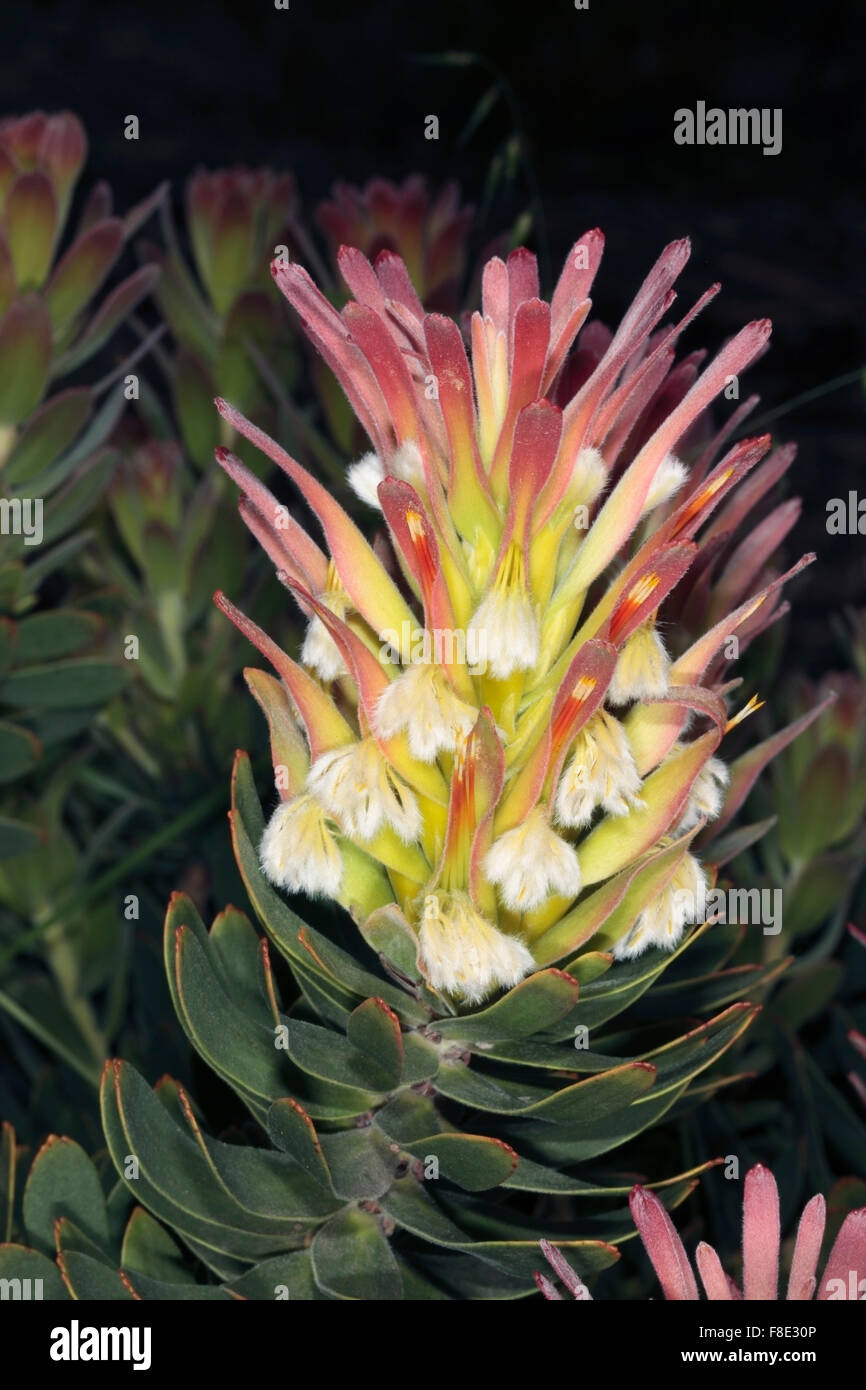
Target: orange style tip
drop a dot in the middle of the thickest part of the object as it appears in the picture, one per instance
(753, 705)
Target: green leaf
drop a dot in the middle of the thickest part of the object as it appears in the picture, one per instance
(327, 1001)
(727, 847)
(79, 683)
(236, 1047)
(194, 391)
(177, 1181)
(808, 994)
(421, 1059)
(30, 225)
(68, 1236)
(11, 577)
(699, 995)
(231, 251)
(416, 1212)
(608, 996)
(565, 1146)
(38, 570)
(19, 751)
(820, 888)
(292, 1130)
(684, 1058)
(408, 1116)
(388, 933)
(20, 1262)
(159, 1290)
(341, 968)
(33, 1001)
(8, 643)
(184, 309)
(474, 1162)
(268, 1186)
(361, 1163)
(323, 1053)
(235, 950)
(66, 508)
(47, 636)
(567, 1055)
(327, 1100)
(353, 1260)
(94, 436)
(90, 1280)
(475, 1088)
(49, 431)
(82, 270)
(468, 1279)
(374, 1030)
(416, 1286)
(116, 307)
(596, 1098)
(677, 1064)
(149, 1249)
(589, 966)
(63, 1182)
(25, 358)
(807, 822)
(283, 1277)
(17, 838)
(525, 1011)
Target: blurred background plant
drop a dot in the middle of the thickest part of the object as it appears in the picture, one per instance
(148, 810)
(116, 667)
(60, 397)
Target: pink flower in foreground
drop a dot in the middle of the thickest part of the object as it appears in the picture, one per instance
(844, 1274)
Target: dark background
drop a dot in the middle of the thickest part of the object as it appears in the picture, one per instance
(331, 89)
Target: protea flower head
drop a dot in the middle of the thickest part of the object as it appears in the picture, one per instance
(429, 233)
(842, 1278)
(506, 748)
